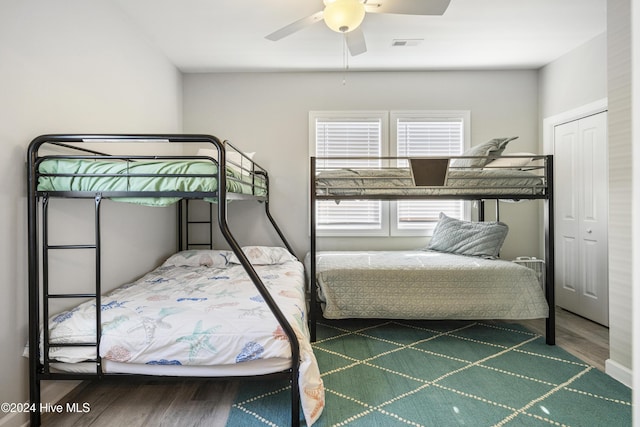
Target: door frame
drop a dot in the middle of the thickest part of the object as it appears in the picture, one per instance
(582, 245)
(549, 123)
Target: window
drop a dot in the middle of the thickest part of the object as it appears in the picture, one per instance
(422, 134)
(353, 136)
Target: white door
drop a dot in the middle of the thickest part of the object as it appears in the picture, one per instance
(581, 194)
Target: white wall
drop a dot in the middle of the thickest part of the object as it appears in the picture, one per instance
(575, 79)
(71, 66)
(620, 195)
(268, 113)
(635, 144)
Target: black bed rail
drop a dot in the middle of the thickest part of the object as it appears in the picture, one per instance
(243, 171)
(376, 170)
(273, 222)
(255, 278)
(39, 371)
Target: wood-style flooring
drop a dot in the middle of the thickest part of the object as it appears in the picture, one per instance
(168, 403)
(206, 403)
(581, 337)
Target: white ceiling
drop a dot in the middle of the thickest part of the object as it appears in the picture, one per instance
(229, 35)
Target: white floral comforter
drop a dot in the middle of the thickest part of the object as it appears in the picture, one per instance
(199, 308)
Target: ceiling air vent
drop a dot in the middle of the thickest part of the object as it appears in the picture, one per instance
(406, 42)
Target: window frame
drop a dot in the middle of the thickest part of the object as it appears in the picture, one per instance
(389, 144)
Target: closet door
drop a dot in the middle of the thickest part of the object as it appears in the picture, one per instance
(581, 192)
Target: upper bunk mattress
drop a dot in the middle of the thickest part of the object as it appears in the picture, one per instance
(426, 285)
(143, 175)
(398, 181)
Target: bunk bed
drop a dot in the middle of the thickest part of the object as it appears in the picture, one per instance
(204, 313)
(433, 282)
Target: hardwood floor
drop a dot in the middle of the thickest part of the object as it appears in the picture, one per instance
(206, 403)
(148, 403)
(579, 336)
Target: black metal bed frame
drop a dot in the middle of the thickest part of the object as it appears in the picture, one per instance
(545, 193)
(38, 244)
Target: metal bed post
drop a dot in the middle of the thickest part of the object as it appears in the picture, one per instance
(255, 278)
(313, 297)
(179, 208)
(34, 304)
(481, 209)
(45, 283)
(549, 238)
(98, 288)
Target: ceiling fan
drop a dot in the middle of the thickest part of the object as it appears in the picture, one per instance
(345, 16)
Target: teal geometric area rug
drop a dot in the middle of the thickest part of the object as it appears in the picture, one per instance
(443, 373)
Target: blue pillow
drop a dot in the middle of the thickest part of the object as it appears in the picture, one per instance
(483, 239)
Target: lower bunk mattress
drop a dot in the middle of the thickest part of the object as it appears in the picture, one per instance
(425, 285)
(198, 314)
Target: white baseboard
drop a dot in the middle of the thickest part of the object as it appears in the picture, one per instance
(51, 392)
(619, 372)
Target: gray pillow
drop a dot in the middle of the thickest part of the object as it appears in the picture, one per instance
(483, 239)
(495, 147)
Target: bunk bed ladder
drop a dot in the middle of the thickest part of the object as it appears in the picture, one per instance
(47, 295)
(185, 223)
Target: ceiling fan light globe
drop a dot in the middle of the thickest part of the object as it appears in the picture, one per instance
(343, 16)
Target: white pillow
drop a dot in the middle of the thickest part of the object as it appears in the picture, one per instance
(264, 255)
(506, 162)
(199, 258)
(495, 147)
(234, 159)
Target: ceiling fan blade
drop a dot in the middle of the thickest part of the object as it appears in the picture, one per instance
(356, 42)
(295, 26)
(408, 7)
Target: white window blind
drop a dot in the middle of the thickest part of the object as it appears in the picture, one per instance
(429, 137)
(423, 137)
(354, 140)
